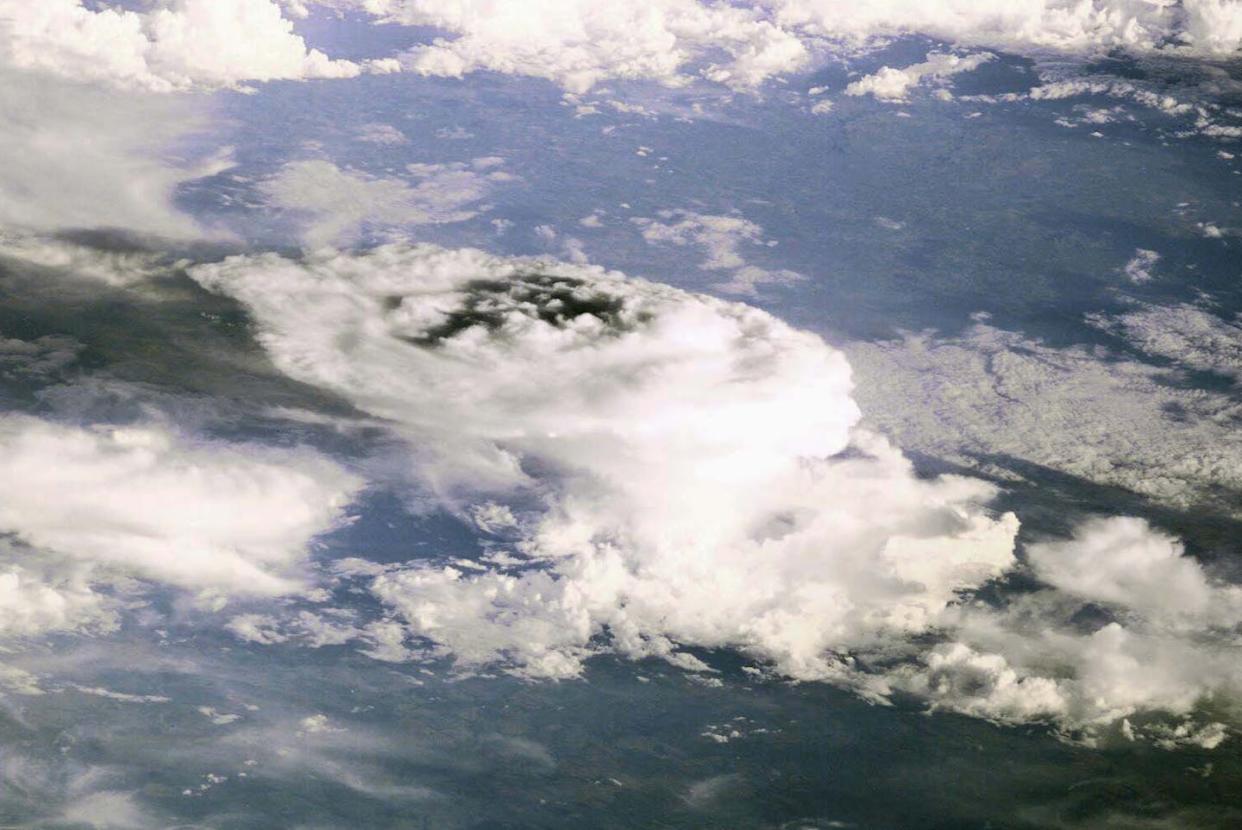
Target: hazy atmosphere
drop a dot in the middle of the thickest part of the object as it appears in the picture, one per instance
(481, 414)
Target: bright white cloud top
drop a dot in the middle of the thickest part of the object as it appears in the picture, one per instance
(188, 44)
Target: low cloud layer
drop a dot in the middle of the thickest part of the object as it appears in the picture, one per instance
(722, 239)
(213, 518)
(678, 469)
(990, 396)
(73, 156)
(197, 44)
(889, 84)
(338, 204)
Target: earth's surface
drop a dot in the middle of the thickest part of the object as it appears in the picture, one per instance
(522, 415)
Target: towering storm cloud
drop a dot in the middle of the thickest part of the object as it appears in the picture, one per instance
(660, 470)
(663, 467)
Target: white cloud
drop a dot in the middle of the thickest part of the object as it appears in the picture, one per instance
(1138, 269)
(40, 593)
(117, 268)
(668, 459)
(76, 157)
(339, 203)
(381, 134)
(172, 45)
(1082, 410)
(1162, 669)
(1190, 335)
(107, 810)
(305, 627)
(578, 43)
(1196, 26)
(889, 84)
(721, 238)
(661, 470)
(142, 501)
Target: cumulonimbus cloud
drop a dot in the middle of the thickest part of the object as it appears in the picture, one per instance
(661, 470)
(214, 518)
(680, 469)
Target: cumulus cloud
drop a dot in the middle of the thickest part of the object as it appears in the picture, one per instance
(42, 593)
(1138, 269)
(170, 45)
(889, 84)
(577, 43)
(381, 134)
(142, 501)
(115, 268)
(1210, 27)
(659, 470)
(989, 396)
(680, 470)
(339, 203)
(76, 157)
(720, 238)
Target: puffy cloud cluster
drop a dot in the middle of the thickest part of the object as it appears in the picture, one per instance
(72, 156)
(117, 268)
(41, 592)
(172, 45)
(1140, 266)
(720, 237)
(578, 43)
(1190, 335)
(210, 517)
(1211, 27)
(1123, 562)
(339, 203)
(185, 44)
(1163, 639)
(889, 84)
(676, 469)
